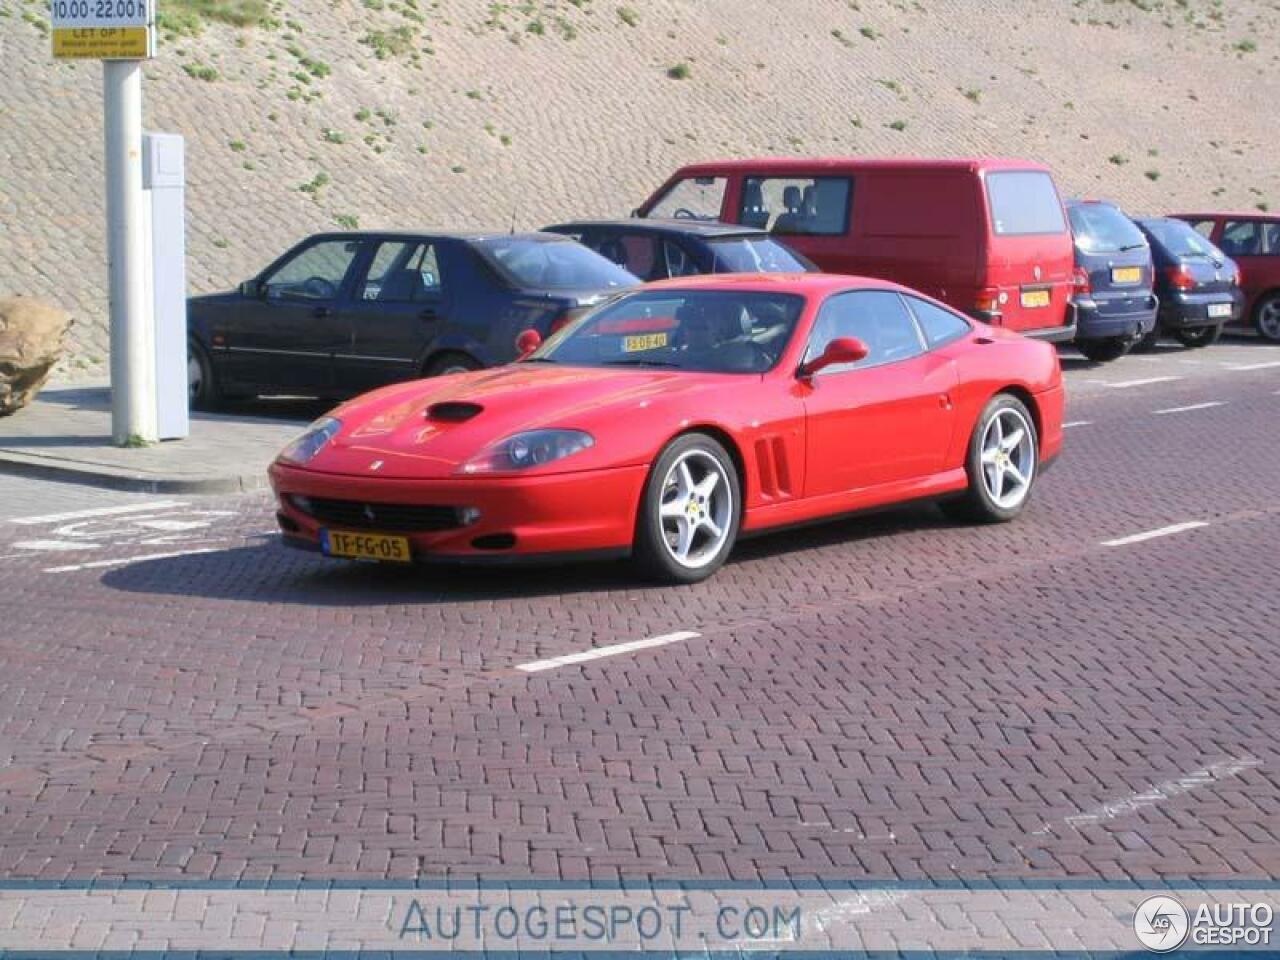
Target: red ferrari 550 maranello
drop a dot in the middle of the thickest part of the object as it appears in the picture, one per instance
(676, 417)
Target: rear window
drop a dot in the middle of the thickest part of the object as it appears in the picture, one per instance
(552, 264)
(796, 206)
(1024, 202)
(755, 255)
(693, 198)
(1179, 240)
(1101, 228)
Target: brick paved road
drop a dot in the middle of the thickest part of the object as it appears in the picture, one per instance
(889, 697)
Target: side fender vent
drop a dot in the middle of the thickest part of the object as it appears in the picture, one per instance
(453, 411)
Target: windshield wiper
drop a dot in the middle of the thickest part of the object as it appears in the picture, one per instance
(1133, 246)
(641, 363)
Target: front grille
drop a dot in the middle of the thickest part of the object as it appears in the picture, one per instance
(360, 515)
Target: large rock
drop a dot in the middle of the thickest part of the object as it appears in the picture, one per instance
(31, 342)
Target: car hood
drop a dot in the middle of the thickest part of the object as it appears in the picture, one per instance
(431, 428)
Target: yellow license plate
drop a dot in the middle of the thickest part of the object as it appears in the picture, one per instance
(644, 341)
(365, 546)
(1126, 274)
(1035, 298)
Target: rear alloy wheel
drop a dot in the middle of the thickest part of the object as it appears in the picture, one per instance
(1001, 464)
(1104, 351)
(447, 363)
(1266, 317)
(1196, 337)
(690, 511)
(202, 388)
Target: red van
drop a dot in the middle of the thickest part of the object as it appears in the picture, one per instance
(989, 237)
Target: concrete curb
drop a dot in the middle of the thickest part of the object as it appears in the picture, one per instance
(110, 478)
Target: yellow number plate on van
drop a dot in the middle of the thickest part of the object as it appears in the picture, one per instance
(365, 546)
(1126, 274)
(645, 341)
(1035, 298)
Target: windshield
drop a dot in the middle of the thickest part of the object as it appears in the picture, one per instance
(1179, 240)
(1101, 228)
(756, 255)
(713, 331)
(558, 264)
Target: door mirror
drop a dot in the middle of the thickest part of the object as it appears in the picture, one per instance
(252, 289)
(527, 342)
(839, 351)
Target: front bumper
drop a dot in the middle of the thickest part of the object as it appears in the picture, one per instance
(586, 513)
(1100, 320)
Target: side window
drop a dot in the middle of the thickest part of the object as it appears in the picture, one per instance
(1272, 245)
(677, 260)
(402, 271)
(878, 318)
(1242, 238)
(694, 198)
(1024, 202)
(315, 273)
(940, 326)
(797, 206)
(1203, 227)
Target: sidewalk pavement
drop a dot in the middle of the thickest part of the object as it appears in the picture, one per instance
(65, 434)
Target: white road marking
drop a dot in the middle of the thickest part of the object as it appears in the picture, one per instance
(101, 512)
(1241, 367)
(1153, 534)
(1193, 406)
(1206, 776)
(121, 561)
(1077, 423)
(1126, 384)
(53, 546)
(614, 650)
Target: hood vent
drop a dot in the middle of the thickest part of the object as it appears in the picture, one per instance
(453, 411)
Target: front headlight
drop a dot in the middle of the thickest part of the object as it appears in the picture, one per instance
(311, 441)
(533, 448)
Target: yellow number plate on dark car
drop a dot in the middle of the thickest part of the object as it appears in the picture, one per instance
(1126, 274)
(365, 546)
(644, 341)
(1035, 298)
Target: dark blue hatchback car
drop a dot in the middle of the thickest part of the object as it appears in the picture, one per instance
(342, 313)
(1113, 297)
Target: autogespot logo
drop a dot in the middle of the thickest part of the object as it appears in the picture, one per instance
(1161, 924)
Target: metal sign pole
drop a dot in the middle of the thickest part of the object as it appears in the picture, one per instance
(133, 407)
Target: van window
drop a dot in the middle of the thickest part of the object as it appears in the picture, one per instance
(1024, 202)
(796, 206)
(1101, 228)
(1203, 227)
(1242, 238)
(693, 198)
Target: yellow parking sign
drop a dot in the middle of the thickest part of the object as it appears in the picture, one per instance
(102, 43)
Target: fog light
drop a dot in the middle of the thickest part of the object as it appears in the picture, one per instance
(468, 515)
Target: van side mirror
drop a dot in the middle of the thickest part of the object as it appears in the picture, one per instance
(839, 351)
(527, 342)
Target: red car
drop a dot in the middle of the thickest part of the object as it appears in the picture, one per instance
(673, 418)
(986, 236)
(1252, 240)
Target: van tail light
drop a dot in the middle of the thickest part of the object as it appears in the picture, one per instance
(988, 300)
(1081, 285)
(1180, 278)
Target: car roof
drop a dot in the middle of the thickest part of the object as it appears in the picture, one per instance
(668, 227)
(467, 236)
(811, 164)
(806, 284)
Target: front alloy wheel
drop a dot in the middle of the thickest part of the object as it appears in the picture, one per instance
(691, 510)
(1002, 463)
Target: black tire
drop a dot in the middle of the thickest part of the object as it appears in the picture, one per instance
(654, 551)
(1196, 337)
(1148, 341)
(1104, 351)
(451, 362)
(1266, 317)
(203, 392)
(978, 504)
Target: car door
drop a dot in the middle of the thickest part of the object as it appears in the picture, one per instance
(886, 419)
(284, 337)
(395, 313)
(1245, 242)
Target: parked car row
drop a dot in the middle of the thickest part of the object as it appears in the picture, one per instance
(346, 312)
